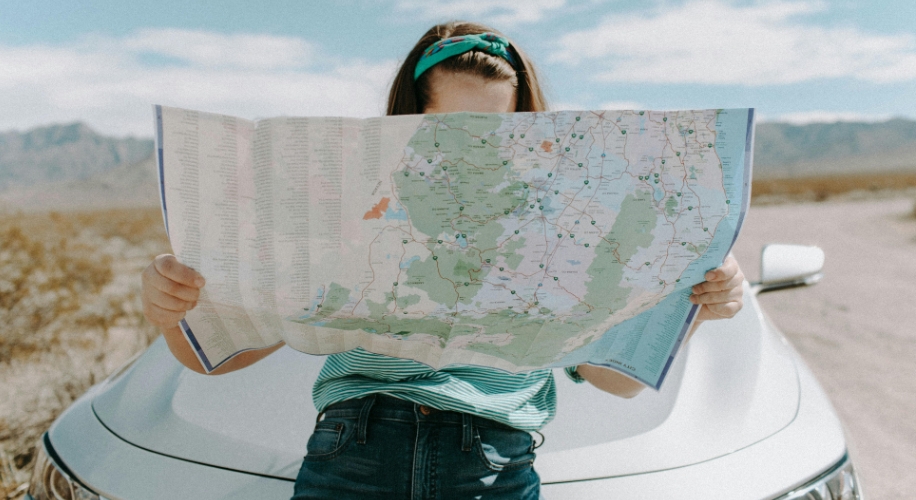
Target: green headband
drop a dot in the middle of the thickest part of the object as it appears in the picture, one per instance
(450, 47)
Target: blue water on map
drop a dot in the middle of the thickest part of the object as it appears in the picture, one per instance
(405, 264)
(676, 308)
(395, 213)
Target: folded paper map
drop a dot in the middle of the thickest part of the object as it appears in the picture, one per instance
(516, 241)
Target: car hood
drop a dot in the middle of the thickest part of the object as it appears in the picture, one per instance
(739, 387)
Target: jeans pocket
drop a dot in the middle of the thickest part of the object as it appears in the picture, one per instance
(328, 439)
(501, 449)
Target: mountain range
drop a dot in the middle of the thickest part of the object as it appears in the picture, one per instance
(60, 167)
(63, 152)
(63, 167)
(827, 149)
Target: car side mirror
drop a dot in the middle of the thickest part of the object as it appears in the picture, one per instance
(789, 266)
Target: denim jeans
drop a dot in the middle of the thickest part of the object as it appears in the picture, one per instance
(383, 447)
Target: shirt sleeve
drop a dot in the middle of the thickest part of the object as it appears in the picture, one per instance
(573, 374)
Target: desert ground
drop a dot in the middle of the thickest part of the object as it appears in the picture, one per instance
(70, 308)
(70, 313)
(857, 328)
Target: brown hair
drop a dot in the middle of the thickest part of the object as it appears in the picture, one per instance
(408, 97)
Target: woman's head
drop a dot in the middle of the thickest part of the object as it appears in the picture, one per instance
(487, 72)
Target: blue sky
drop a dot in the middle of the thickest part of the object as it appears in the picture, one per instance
(106, 62)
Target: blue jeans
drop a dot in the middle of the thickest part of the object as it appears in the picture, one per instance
(383, 447)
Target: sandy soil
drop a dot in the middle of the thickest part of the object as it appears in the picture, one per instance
(70, 314)
(857, 328)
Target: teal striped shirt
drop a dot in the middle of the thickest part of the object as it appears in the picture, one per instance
(526, 401)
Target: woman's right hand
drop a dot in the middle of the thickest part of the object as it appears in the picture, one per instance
(170, 289)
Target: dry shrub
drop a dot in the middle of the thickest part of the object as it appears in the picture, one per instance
(766, 190)
(136, 225)
(70, 313)
(42, 282)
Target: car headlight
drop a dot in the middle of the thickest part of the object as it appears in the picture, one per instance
(51, 480)
(838, 483)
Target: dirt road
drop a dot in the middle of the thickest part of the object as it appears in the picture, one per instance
(857, 329)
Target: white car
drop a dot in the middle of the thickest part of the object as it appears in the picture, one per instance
(740, 416)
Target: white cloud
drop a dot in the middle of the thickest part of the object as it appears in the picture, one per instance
(622, 105)
(111, 83)
(491, 12)
(219, 50)
(567, 105)
(806, 117)
(714, 42)
(613, 105)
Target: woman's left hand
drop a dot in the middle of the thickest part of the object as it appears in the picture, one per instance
(721, 295)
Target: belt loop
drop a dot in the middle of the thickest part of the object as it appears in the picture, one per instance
(467, 434)
(534, 445)
(364, 419)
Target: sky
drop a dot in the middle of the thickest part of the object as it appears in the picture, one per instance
(106, 62)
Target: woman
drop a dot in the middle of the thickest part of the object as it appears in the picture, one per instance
(394, 428)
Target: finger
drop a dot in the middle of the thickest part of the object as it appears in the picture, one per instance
(726, 271)
(168, 266)
(162, 317)
(716, 286)
(716, 297)
(705, 315)
(726, 310)
(170, 287)
(169, 302)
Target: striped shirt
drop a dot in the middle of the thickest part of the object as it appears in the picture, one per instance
(526, 401)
